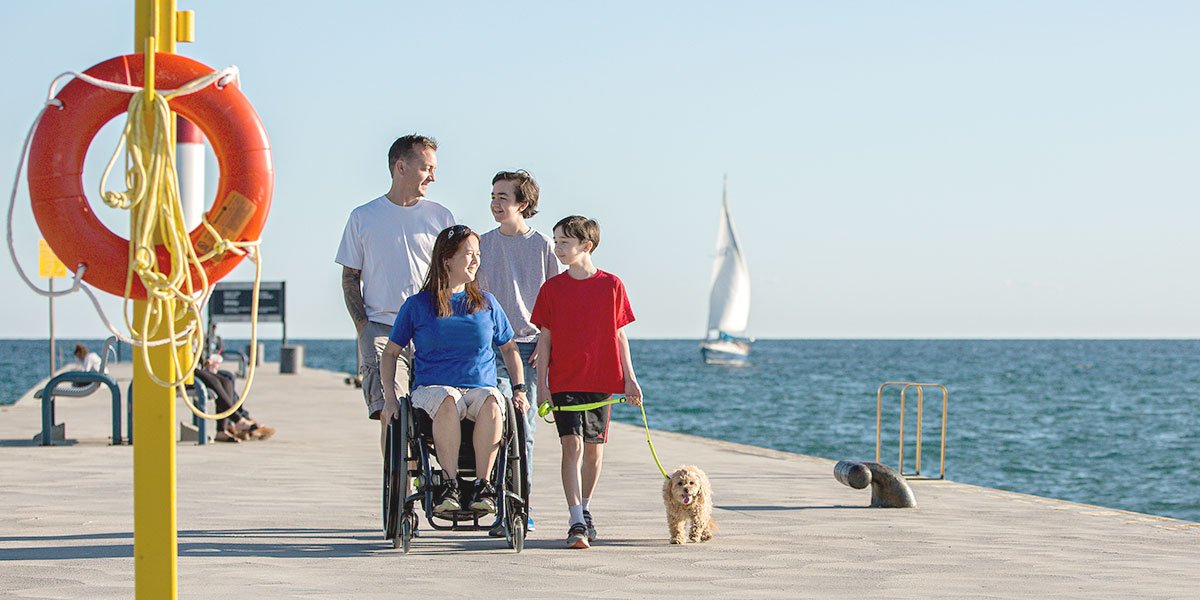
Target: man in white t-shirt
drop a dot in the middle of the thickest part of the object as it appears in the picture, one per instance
(385, 254)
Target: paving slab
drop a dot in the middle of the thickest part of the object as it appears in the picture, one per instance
(298, 516)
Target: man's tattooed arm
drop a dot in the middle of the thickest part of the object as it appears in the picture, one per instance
(352, 291)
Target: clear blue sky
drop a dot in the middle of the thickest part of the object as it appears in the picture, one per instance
(896, 169)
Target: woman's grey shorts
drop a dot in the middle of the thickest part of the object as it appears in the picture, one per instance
(469, 401)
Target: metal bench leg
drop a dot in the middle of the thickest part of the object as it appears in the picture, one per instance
(116, 414)
(201, 423)
(47, 417)
(129, 412)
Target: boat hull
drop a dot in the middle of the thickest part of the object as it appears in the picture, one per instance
(724, 352)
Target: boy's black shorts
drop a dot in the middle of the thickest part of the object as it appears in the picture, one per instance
(592, 424)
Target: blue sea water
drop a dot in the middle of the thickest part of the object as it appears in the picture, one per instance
(1112, 423)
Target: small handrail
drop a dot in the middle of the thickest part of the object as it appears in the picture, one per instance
(904, 387)
(201, 424)
(241, 359)
(91, 377)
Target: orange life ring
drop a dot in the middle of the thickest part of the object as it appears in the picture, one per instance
(61, 142)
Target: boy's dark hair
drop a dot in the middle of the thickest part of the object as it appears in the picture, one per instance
(81, 351)
(582, 229)
(527, 189)
(406, 147)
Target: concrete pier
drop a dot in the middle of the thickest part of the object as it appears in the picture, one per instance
(298, 516)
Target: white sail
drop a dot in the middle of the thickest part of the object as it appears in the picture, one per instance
(729, 301)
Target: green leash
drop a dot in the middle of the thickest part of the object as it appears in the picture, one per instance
(545, 409)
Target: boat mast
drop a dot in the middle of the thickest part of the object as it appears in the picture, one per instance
(724, 220)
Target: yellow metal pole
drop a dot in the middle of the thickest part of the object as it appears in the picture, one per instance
(945, 405)
(900, 462)
(879, 421)
(920, 419)
(155, 545)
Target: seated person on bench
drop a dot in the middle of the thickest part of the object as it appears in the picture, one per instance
(85, 360)
(452, 326)
(238, 426)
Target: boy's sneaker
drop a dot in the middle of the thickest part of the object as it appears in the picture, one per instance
(591, 528)
(448, 500)
(577, 536)
(529, 524)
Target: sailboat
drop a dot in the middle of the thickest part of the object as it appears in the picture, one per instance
(729, 300)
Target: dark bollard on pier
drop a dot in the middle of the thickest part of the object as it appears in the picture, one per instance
(291, 359)
(888, 487)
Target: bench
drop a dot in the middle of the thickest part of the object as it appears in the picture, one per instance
(197, 395)
(93, 381)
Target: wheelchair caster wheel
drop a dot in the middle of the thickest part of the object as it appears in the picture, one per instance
(406, 534)
(516, 532)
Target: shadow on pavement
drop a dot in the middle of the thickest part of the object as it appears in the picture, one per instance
(764, 507)
(275, 543)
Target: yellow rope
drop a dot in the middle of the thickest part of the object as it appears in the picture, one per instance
(545, 408)
(152, 196)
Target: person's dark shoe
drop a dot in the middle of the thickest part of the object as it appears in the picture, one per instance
(577, 537)
(484, 498)
(498, 530)
(591, 527)
(448, 500)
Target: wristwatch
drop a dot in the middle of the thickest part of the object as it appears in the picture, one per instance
(520, 387)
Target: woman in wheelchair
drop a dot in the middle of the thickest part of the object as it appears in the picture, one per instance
(452, 326)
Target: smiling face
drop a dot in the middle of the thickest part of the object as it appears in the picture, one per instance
(462, 266)
(569, 250)
(505, 208)
(685, 487)
(415, 172)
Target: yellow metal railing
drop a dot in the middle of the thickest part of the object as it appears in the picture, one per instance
(904, 387)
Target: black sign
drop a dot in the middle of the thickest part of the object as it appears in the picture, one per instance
(231, 302)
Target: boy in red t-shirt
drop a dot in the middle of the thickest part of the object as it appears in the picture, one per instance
(582, 357)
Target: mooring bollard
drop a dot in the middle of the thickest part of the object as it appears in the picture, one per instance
(888, 487)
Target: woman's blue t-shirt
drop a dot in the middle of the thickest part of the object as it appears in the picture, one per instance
(454, 350)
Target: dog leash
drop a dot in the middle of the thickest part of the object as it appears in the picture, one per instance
(546, 408)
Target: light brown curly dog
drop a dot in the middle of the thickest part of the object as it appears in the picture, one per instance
(688, 498)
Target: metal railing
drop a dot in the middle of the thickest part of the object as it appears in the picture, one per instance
(201, 424)
(239, 357)
(904, 387)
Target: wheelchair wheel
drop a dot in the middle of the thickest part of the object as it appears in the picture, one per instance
(393, 483)
(516, 495)
(404, 453)
(403, 444)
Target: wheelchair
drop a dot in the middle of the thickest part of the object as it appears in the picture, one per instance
(409, 439)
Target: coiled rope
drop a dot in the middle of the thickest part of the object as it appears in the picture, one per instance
(153, 199)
